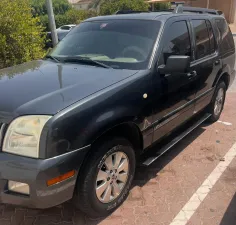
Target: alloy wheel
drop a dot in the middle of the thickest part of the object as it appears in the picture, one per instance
(112, 177)
(219, 102)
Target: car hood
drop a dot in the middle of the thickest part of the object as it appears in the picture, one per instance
(46, 87)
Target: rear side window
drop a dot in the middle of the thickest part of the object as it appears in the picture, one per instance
(203, 46)
(212, 37)
(226, 42)
(178, 41)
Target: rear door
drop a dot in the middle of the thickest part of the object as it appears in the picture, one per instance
(226, 45)
(206, 62)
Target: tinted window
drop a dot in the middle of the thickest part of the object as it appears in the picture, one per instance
(61, 35)
(117, 43)
(212, 37)
(178, 41)
(202, 38)
(226, 42)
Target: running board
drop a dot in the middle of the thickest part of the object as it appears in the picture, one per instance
(167, 147)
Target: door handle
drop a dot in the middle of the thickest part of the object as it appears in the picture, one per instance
(217, 62)
(192, 74)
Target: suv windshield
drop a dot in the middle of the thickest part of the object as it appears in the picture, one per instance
(121, 44)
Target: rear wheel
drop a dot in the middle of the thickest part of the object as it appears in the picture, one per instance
(105, 180)
(217, 105)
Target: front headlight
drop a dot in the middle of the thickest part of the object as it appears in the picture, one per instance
(23, 135)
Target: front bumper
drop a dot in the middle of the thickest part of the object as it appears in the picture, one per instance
(35, 173)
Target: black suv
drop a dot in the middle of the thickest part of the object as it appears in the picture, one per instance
(77, 123)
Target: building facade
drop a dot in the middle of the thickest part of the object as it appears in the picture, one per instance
(226, 6)
(81, 4)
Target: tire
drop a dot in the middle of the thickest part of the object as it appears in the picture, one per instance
(218, 98)
(98, 203)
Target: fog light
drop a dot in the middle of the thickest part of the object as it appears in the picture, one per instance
(18, 187)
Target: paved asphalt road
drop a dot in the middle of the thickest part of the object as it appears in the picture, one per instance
(163, 193)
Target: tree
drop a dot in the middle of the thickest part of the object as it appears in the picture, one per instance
(21, 36)
(64, 13)
(72, 16)
(75, 16)
(59, 7)
(161, 6)
(95, 4)
(108, 7)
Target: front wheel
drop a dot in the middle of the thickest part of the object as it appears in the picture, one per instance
(105, 180)
(217, 105)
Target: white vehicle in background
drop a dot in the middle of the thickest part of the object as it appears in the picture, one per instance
(66, 27)
(61, 33)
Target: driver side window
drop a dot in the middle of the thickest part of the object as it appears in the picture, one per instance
(178, 42)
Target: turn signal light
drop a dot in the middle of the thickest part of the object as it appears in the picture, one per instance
(61, 178)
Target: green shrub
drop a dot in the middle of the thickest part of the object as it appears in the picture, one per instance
(72, 16)
(21, 36)
(59, 7)
(75, 16)
(111, 6)
(161, 6)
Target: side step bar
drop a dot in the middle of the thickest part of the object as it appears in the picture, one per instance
(167, 147)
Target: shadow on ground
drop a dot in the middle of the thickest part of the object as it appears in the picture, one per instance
(144, 174)
(230, 214)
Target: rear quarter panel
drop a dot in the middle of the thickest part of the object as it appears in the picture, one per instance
(226, 48)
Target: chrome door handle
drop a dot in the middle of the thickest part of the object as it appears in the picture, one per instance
(192, 74)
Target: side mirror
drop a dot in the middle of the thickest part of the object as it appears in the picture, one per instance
(175, 64)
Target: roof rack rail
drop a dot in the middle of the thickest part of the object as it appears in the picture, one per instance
(130, 12)
(197, 10)
(200, 10)
(179, 9)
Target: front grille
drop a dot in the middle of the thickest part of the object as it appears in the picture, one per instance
(2, 132)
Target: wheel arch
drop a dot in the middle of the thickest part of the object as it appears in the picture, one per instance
(226, 78)
(128, 130)
(222, 76)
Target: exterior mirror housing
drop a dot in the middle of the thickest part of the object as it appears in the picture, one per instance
(175, 64)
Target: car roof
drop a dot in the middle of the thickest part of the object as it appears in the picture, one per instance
(139, 16)
(161, 16)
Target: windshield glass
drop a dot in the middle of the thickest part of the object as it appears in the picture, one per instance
(121, 44)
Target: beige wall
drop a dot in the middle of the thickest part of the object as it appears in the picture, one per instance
(227, 6)
(81, 6)
(224, 6)
(199, 3)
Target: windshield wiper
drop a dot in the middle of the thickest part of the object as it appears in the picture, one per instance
(87, 61)
(52, 57)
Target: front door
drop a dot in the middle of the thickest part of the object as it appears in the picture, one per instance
(174, 93)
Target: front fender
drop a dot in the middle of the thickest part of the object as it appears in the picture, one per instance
(81, 123)
(105, 121)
